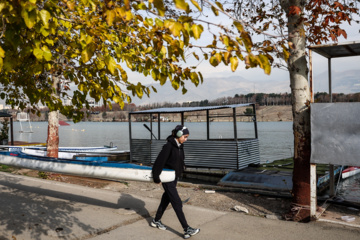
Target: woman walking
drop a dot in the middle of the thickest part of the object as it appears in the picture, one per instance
(172, 157)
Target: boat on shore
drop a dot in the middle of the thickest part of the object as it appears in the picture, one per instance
(65, 149)
(350, 171)
(84, 166)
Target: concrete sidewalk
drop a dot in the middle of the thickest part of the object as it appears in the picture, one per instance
(33, 208)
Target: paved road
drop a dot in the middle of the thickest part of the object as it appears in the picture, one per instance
(33, 208)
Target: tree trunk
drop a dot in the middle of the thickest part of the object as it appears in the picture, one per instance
(300, 90)
(53, 135)
(53, 128)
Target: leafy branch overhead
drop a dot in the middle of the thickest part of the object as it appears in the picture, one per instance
(92, 44)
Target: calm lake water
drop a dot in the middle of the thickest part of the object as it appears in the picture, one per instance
(275, 138)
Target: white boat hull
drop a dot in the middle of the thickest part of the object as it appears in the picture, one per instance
(64, 149)
(67, 154)
(348, 174)
(111, 171)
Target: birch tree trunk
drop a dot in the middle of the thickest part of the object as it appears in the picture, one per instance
(52, 141)
(300, 90)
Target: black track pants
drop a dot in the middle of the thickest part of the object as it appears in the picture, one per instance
(171, 195)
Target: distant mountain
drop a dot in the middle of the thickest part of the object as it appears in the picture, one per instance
(213, 88)
(342, 81)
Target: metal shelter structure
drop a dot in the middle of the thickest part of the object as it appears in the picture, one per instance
(335, 127)
(6, 115)
(234, 153)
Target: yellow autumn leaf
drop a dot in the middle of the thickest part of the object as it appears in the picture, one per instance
(46, 53)
(2, 52)
(215, 11)
(110, 16)
(196, 4)
(197, 30)
(111, 64)
(38, 53)
(181, 4)
(234, 63)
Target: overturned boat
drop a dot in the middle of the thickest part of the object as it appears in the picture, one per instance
(85, 166)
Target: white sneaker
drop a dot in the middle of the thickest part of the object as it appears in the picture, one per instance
(158, 224)
(190, 232)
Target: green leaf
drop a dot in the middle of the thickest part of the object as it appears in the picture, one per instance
(38, 53)
(197, 30)
(45, 17)
(234, 63)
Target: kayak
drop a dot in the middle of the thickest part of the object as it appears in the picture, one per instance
(84, 167)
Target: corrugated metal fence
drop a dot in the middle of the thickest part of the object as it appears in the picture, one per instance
(223, 154)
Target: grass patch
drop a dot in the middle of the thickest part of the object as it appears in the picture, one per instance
(6, 168)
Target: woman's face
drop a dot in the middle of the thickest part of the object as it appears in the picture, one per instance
(183, 138)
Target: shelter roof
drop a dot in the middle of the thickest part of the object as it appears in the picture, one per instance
(4, 114)
(190, 109)
(346, 49)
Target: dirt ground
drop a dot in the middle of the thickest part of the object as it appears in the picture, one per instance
(209, 196)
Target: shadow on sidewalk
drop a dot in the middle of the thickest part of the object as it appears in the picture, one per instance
(129, 203)
(42, 212)
(30, 211)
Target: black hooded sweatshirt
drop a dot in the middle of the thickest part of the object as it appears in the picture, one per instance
(171, 156)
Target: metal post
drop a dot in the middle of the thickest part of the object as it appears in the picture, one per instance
(12, 131)
(313, 197)
(255, 121)
(207, 125)
(130, 136)
(235, 127)
(330, 80)
(151, 128)
(182, 118)
(331, 167)
(159, 126)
